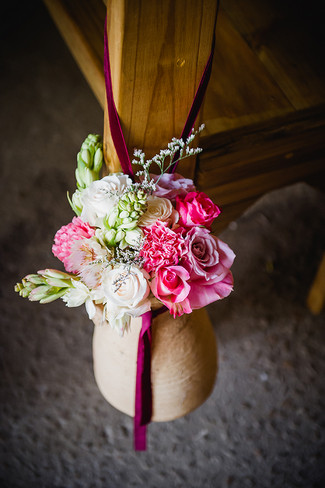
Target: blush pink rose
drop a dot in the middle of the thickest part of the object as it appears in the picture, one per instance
(66, 236)
(170, 286)
(172, 184)
(162, 246)
(207, 257)
(204, 292)
(196, 208)
(215, 281)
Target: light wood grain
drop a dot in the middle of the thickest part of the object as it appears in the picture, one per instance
(158, 51)
(243, 164)
(288, 38)
(241, 91)
(80, 26)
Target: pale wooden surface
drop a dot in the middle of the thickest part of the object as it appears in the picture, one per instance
(158, 51)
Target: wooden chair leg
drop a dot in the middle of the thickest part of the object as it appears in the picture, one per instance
(316, 295)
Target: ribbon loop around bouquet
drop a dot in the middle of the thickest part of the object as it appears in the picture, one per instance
(143, 397)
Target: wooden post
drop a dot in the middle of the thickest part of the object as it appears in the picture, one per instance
(158, 51)
(316, 295)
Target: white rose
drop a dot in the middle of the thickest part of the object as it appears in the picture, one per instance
(126, 292)
(101, 196)
(158, 209)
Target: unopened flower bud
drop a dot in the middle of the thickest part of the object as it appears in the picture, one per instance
(123, 205)
(111, 218)
(36, 279)
(88, 176)
(79, 178)
(98, 160)
(125, 198)
(39, 293)
(124, 214)
(128, 225)
(120, 234)
(85, 156)
(110, 236)
(127, 220)
(133, 237)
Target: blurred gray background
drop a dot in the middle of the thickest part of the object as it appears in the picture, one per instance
(263, 425)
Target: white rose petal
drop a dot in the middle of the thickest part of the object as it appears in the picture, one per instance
(101, 196)
(131, 297)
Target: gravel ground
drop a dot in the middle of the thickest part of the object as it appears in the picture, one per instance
(263, 425)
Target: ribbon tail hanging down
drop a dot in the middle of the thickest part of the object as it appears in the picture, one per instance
(143, 393)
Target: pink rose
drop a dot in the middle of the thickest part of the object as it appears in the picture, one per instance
(162, 246)
(172, 184)
(207, 257)
(215, 281)
(170, 286)
(196, 208)
(204, 292)
(66, 236)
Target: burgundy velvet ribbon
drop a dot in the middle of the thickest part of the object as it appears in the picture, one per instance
(197, 102)
(199, 95)
(114, 121)
(143, 394)
(143, 391)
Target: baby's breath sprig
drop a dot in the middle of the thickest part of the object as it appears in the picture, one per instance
(127, 258)
(165, 159)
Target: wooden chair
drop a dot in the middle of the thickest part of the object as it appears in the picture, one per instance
(264, 108)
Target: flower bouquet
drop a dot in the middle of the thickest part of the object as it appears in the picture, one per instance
(137, 248)
(132, 242)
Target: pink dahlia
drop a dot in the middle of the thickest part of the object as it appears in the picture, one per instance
(66, 236)
(162, 246)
